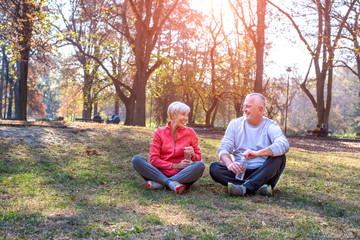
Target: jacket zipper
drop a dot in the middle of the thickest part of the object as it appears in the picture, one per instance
(174, 146)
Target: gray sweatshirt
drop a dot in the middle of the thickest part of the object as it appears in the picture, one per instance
(241, 136)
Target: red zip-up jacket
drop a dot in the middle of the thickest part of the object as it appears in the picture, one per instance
(164, 150)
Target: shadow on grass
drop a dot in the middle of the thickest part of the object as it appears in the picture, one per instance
(70, 177)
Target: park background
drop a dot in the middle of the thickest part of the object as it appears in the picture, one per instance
(75, 59)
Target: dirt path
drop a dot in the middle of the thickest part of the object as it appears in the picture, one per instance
(28, 131)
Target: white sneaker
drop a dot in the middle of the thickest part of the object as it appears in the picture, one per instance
(153, 185)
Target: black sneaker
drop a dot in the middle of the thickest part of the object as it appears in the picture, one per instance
(265, 190)
(236, 190)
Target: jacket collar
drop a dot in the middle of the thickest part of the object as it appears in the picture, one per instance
(178, 130)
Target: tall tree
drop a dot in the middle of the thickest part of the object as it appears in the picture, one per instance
(86, 33)
(140, 23)
(27, 26)
(215, 89)
(322, 47)
(2, 77)
(176, 78)
(142, 30)
(22, 12)
(241, 70)
(255, 29)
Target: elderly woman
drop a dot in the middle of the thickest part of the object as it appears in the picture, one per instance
(171, 152)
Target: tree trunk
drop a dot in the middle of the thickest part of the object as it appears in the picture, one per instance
(6, 86)
(95, 108)
(130, 107)
(214, 115)
(23, 88)
(87, 101)
(210, 111)
(25, 35)
(116, 107)
(140, 92)
(142, 59)
(16, 89)
(2, 80)
(238, 109)
(260, 44)
(10, 100)
(190, 103)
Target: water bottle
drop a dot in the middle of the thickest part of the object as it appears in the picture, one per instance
(240, 176)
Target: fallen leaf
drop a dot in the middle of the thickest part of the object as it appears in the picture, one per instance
(92, 152)
(322, 203)
(341, 228)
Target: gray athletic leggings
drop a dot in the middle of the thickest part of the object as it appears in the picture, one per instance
(187, 176)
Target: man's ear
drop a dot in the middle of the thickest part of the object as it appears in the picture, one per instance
(261, 109)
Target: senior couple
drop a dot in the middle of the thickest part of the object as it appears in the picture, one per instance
(175, 158)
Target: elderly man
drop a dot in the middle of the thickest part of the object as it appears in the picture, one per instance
(259, 140)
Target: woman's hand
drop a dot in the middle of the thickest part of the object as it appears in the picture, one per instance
(188, 152)
(181, 165)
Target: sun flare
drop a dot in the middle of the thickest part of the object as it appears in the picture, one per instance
(207, 6)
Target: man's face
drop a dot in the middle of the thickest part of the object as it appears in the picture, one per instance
(252, 110)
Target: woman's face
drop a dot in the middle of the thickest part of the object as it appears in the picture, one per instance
(180, 118)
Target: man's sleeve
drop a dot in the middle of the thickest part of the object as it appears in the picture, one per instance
(228, 141)
(280, 144)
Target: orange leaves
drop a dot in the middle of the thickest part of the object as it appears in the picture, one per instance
(92, 152)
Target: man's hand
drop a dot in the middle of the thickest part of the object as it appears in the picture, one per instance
(235, 167)
(251, 154)
(181, 165)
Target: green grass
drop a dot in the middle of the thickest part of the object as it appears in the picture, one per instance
(82, 186)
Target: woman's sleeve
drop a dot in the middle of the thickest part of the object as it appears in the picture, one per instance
(155, 149)
(195, 145)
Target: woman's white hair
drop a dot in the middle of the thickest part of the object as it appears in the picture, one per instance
(176, 107)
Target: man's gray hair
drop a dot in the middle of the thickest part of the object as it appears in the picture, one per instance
(177, 107)
(259, 96)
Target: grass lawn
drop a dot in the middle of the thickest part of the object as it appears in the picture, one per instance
(79, 184)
